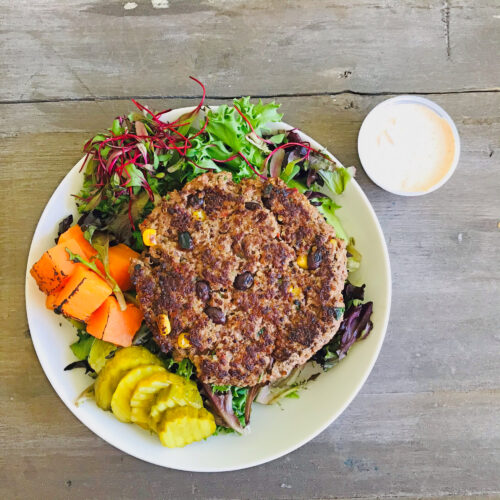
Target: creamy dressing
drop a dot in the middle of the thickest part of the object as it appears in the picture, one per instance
(407, 147)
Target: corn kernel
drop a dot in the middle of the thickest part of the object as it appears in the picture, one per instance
(200, 215)
(294, 290)
(302, 261)
(333, 241)
(149, 237)
(183, 341)
(164, 324)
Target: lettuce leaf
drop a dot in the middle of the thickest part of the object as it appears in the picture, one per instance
(81, 348)
(336, 180)
(228, 134)
(258, 114)
(327, 209)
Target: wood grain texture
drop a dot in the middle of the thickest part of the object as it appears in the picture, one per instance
(85, 48)
(426, 423)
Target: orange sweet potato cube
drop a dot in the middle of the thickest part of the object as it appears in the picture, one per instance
(83, 293)
(55, 267)
(113, 325)
(119, 264)
(76, 233)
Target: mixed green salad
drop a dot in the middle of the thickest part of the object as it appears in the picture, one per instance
(143, 156)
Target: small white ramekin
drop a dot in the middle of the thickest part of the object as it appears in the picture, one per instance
(408, 99)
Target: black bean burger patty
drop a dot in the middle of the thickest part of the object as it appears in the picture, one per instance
(243, 279)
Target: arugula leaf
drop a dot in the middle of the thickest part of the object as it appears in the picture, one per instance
(91, 265)
(101, 245)
(102, 250)
(81, 348)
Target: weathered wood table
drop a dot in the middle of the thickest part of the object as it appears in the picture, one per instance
(427, 422)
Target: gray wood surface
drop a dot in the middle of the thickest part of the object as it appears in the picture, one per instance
(427, 422)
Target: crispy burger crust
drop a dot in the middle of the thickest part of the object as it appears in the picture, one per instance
(258, 227)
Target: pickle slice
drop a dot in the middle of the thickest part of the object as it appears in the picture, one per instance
(184, 425)
(123, 361)
(120, 402)
(185, 394)
(145, 393)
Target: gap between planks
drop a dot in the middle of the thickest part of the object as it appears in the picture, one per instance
(258, 96)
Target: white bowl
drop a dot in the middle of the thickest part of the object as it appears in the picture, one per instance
(363, 137)
(275, 430)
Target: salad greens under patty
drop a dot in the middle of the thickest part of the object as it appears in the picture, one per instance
(142, 157)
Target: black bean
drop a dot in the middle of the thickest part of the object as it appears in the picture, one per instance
(216, 315)
(243, 281)
(267, 202)
(267, 190)
(185, 241)
(202, 290)
(252, 205)
(195, 200)
(314, 258)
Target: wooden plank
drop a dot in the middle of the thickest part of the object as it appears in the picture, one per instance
(426, 422)
(356, 456)
(55, 49)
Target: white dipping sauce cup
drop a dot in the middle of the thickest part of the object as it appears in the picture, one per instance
(365, 135)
